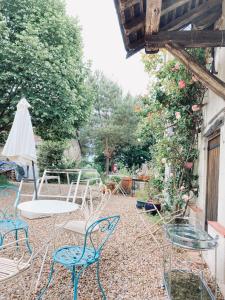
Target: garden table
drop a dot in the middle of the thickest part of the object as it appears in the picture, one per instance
(47, 208)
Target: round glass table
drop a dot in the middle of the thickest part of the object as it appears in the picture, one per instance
(181, 283)
(47, 207)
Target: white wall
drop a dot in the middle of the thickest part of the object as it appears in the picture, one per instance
(214, 109)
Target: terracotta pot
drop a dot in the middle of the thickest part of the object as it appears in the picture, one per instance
(126, 183)
(111, 186)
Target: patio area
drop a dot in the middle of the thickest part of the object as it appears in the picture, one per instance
(130, 268)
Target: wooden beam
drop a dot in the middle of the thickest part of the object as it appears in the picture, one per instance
(209, 80)
(187, 39)
(153, 13)
(129, 4)
(191, 15)
(174, 6)
(134, 25)
(206, 21)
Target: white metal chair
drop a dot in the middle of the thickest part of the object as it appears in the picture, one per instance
(90, 213)
(14, 261)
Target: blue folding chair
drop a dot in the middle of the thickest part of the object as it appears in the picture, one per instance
(78, 258)
(9, 222)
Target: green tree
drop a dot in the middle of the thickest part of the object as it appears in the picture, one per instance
(113, 122)
(41, 58)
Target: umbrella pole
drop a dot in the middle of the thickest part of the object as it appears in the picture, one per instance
(35, 183)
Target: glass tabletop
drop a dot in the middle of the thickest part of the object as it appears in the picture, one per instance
(190, 237)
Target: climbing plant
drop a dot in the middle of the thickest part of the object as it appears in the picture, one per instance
(172, 116)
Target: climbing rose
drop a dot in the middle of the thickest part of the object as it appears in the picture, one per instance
(177, 115)
(177, 66)
(194, 78)
(195, 107)
(182, 84)
(185, 198)
(182, 188)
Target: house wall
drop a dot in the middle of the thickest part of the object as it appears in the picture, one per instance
(212, 111)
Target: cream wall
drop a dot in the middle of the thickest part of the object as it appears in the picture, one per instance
(213, 110)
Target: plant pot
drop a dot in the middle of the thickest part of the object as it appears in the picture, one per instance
(143, 177)
(111, 186)
(140, 204)
(149, 206)
(126, 184)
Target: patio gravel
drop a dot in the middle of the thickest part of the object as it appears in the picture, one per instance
(130, 268)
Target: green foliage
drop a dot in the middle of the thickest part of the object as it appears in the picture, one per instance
(111, 132)
(173, 125)
(41, 58)
(51, 156)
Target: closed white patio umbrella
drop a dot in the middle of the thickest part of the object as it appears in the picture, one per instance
(20, 145)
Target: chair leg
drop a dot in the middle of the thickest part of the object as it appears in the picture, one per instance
(16, 237)
(75, 279)
(42, 292)
(99, 282)
(27, 241)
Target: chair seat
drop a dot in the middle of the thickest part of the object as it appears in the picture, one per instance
(7, 225)
(71, 255)
(77, 226)
(10, 268)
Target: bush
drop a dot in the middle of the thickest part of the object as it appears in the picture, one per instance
(51, 155)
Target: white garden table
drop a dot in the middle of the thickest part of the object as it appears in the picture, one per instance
(47, 208)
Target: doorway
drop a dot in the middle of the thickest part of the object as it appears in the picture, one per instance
(213, 178)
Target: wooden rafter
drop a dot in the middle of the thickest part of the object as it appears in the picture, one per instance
(174, 6)
(153, 14)
(187, 39)
(191, 15)
(208, 79)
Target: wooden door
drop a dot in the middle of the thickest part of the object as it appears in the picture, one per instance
(213, 178)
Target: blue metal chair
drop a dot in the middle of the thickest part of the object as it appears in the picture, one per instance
(9, 221)
(78, 258)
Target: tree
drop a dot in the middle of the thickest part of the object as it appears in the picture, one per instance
(113, 121)
(41, 58)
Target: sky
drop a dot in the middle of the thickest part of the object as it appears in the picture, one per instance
(103, 44)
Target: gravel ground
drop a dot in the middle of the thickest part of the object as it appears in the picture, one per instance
(131, 266)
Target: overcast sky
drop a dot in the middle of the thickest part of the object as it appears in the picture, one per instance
(103, 44)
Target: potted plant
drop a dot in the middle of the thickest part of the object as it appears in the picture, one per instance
(142, 197)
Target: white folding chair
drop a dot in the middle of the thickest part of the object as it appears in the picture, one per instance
(14, 261)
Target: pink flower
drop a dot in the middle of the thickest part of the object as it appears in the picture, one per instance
(171, 174)
(177, 66)
(195, 107)
(177, 115)
(194, 78)
(182, 84)
(185, 198)
(182, 188)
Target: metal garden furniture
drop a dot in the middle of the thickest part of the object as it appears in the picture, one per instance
(14, 261)
(50, 208)
(78, 258)
(185, 282)
(9, 220)
(90, 212)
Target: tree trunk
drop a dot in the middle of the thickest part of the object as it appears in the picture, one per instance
(107, 165)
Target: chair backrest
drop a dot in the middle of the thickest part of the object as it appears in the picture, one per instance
(9, 200)
(96, 209)
(104, 227)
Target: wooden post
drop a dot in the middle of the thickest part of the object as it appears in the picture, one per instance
(209, 80)
(153, 13)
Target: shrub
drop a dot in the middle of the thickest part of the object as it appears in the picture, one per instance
(51, 155)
